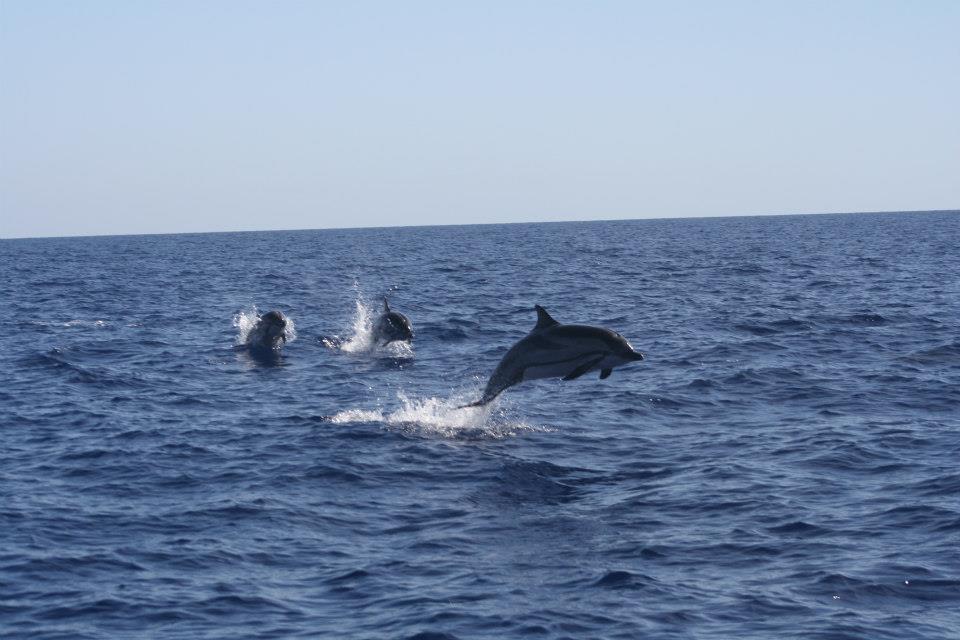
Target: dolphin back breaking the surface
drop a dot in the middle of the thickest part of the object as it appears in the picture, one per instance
(554, 350)
(269, 332)
(391, 326)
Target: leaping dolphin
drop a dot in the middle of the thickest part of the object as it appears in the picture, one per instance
(269, 333)
(391, 326)
(558, 350)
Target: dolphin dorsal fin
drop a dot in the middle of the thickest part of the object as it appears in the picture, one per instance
(543, 319)
(386, 307)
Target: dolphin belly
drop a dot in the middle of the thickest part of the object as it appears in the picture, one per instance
(561, 368)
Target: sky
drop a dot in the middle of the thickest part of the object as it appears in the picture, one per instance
(124, 117)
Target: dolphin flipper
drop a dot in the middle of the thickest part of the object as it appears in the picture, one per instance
(605, 373)
(582, 369)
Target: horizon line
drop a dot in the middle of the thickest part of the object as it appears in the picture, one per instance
(481, 224)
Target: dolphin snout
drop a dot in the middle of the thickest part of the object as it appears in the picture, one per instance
(636, 355)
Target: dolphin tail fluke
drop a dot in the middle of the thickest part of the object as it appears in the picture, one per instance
(479, 403)
(386, 305)
(485, 400)
(494, 388)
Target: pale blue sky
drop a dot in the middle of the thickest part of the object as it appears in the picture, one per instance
(144, 117)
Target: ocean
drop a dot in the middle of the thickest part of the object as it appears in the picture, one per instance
(785, 463)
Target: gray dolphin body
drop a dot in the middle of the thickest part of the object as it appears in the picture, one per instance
(269, 334)
(554, 350)
(392, 326)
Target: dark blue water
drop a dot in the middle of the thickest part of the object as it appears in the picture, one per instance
(784, 464)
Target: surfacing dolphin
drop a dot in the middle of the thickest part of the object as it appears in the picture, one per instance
(391, 326)
(269, 334)
(555, 350)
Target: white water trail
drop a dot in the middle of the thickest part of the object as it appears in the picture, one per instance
(440, 417)
(99, 324)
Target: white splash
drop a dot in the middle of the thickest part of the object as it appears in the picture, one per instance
(361, 338)
(356, 415)
(440, 417)
(78, 323)
(245, 321)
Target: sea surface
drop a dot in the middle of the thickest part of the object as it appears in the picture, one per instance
(784, 464)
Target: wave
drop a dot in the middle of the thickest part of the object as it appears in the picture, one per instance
(78, 322)
(786, 325)
(861, 318)
(56, 360)
(946, 353)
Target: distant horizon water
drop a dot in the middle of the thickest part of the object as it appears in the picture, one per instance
(479, 224)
